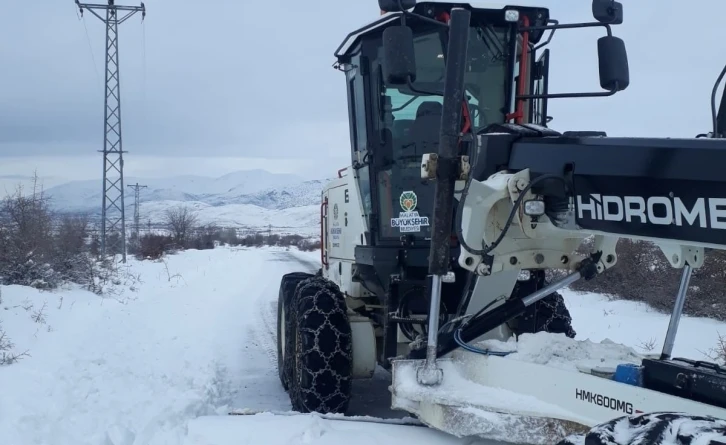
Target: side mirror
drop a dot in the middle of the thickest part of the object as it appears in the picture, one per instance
(393, 5)
(399, 58)
(606, 11)
(613, 59)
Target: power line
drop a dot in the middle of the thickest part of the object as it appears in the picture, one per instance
(90, 49)
(113, 218)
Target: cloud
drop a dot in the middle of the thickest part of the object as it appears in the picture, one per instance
(233, 79)
(218, 77)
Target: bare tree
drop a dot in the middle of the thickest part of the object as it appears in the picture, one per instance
(26, 238)
(72, 233)
(71, 258)
(181, 221)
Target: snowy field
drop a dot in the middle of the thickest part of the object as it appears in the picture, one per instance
(179, 343)
(303, 220)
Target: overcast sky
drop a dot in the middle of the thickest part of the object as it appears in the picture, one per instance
(214, 86)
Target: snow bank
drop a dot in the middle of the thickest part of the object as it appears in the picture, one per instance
(557, 350)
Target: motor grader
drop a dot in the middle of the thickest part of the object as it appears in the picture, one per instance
(460, 199)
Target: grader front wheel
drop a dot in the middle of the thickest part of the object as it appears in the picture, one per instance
(321, 371)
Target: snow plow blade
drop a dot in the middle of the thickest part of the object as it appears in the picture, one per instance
(407, 421)
(465, 408)
(518, 402)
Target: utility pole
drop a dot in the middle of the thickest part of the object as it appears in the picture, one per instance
(112, 15)
(137, 216)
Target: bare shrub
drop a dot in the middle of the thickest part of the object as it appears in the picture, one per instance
(718, 352)
(309, 245)
(153, 246)
(7, 356)
(204, 237)
(647, 345)
(39, 315)
(71, 254)
(643, 274)
(229, 237)
(181, 222)
(26, 239)
(257, 240)
(72, 233)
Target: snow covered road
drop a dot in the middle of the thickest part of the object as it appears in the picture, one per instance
(195, 340)
(192, 337)
(122, 374)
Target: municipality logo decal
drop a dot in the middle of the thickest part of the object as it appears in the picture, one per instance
(408, 201)
(409, 220)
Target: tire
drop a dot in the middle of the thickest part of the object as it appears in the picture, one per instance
(654, 429)
(550, 314)
(288, 283)
(323, 359)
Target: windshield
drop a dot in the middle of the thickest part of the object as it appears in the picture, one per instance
(411, 120)
(485, 79)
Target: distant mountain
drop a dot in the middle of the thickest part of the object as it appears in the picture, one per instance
(304, 220)
(9, 183)
(280, 197)
(245, 187)
(253, 199)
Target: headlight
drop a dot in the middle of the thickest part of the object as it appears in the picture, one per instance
(511, 15)
(534, 207)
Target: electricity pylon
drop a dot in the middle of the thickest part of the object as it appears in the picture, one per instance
(137, 215)
(113, 162)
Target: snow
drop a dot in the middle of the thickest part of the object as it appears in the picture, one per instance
(559, 351)
(467, 409)
(649, 428)
(304, 220)
(456, 389)
(74, 194)
(271, 429)
(254, 187)
(254, 200)
(137, 367)
(597, 318)
(179, 343)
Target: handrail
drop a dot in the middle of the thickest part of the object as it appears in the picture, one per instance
(323, 219)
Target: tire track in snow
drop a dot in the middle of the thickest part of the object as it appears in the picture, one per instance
(265, 330)
(265, 327)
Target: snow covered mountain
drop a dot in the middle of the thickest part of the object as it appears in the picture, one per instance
(280, 197)
(247, 199)
(244, 187)
(301, 220)
(9, 183)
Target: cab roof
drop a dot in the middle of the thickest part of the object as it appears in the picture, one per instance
(388, 17)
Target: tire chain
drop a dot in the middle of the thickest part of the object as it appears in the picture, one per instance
(549, 314)
(325, 343)
(558, 318)
(285, 298)
(658, 428)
